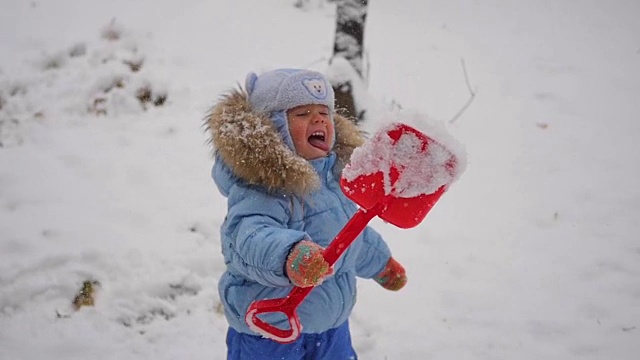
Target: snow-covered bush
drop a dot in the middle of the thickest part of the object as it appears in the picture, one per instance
(105, 77)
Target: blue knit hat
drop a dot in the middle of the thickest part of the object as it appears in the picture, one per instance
(274, 92)
(284, 89)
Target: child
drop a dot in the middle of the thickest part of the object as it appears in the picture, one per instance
(279, 150)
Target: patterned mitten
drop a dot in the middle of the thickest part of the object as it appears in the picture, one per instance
(305, 264)
(392, 277)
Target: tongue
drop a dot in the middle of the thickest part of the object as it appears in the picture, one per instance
(320, 144)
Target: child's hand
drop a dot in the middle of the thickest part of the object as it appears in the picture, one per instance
(305, 264)
(392, 277)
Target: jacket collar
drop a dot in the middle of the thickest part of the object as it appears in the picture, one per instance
(250, 147)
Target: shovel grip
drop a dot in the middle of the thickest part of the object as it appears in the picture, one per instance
(290, 303)
(287, 306)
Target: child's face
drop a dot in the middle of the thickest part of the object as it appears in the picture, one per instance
(311, 130)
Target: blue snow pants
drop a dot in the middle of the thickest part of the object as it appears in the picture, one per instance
(334, 344)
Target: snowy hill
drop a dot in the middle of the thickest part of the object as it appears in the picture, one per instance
(104, 174)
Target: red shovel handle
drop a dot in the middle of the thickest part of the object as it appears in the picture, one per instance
(288, 305)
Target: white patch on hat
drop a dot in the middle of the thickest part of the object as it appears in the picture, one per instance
(316, 87)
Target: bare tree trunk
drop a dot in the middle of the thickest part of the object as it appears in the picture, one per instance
(349, 44)
(349, 37)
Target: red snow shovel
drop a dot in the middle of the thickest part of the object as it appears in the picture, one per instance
(378, 186)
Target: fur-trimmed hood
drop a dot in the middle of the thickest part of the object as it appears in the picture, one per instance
(249, 145)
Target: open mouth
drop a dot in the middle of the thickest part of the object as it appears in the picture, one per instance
(318, 140)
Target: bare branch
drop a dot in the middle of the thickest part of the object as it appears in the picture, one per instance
(472, 94)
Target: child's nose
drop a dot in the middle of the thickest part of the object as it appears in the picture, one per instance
(317, 117)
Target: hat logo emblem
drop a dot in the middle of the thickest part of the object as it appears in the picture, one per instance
(316, 87)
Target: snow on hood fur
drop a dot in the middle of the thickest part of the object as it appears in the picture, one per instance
(249, 144)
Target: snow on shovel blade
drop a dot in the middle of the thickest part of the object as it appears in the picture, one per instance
(403, 166)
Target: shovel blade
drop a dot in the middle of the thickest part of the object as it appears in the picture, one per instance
(387, 186)
(404, 213)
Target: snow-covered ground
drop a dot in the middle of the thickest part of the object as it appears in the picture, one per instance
(532, 254)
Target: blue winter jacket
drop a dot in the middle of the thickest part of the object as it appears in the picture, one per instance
(258, 233)
(276, 199)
